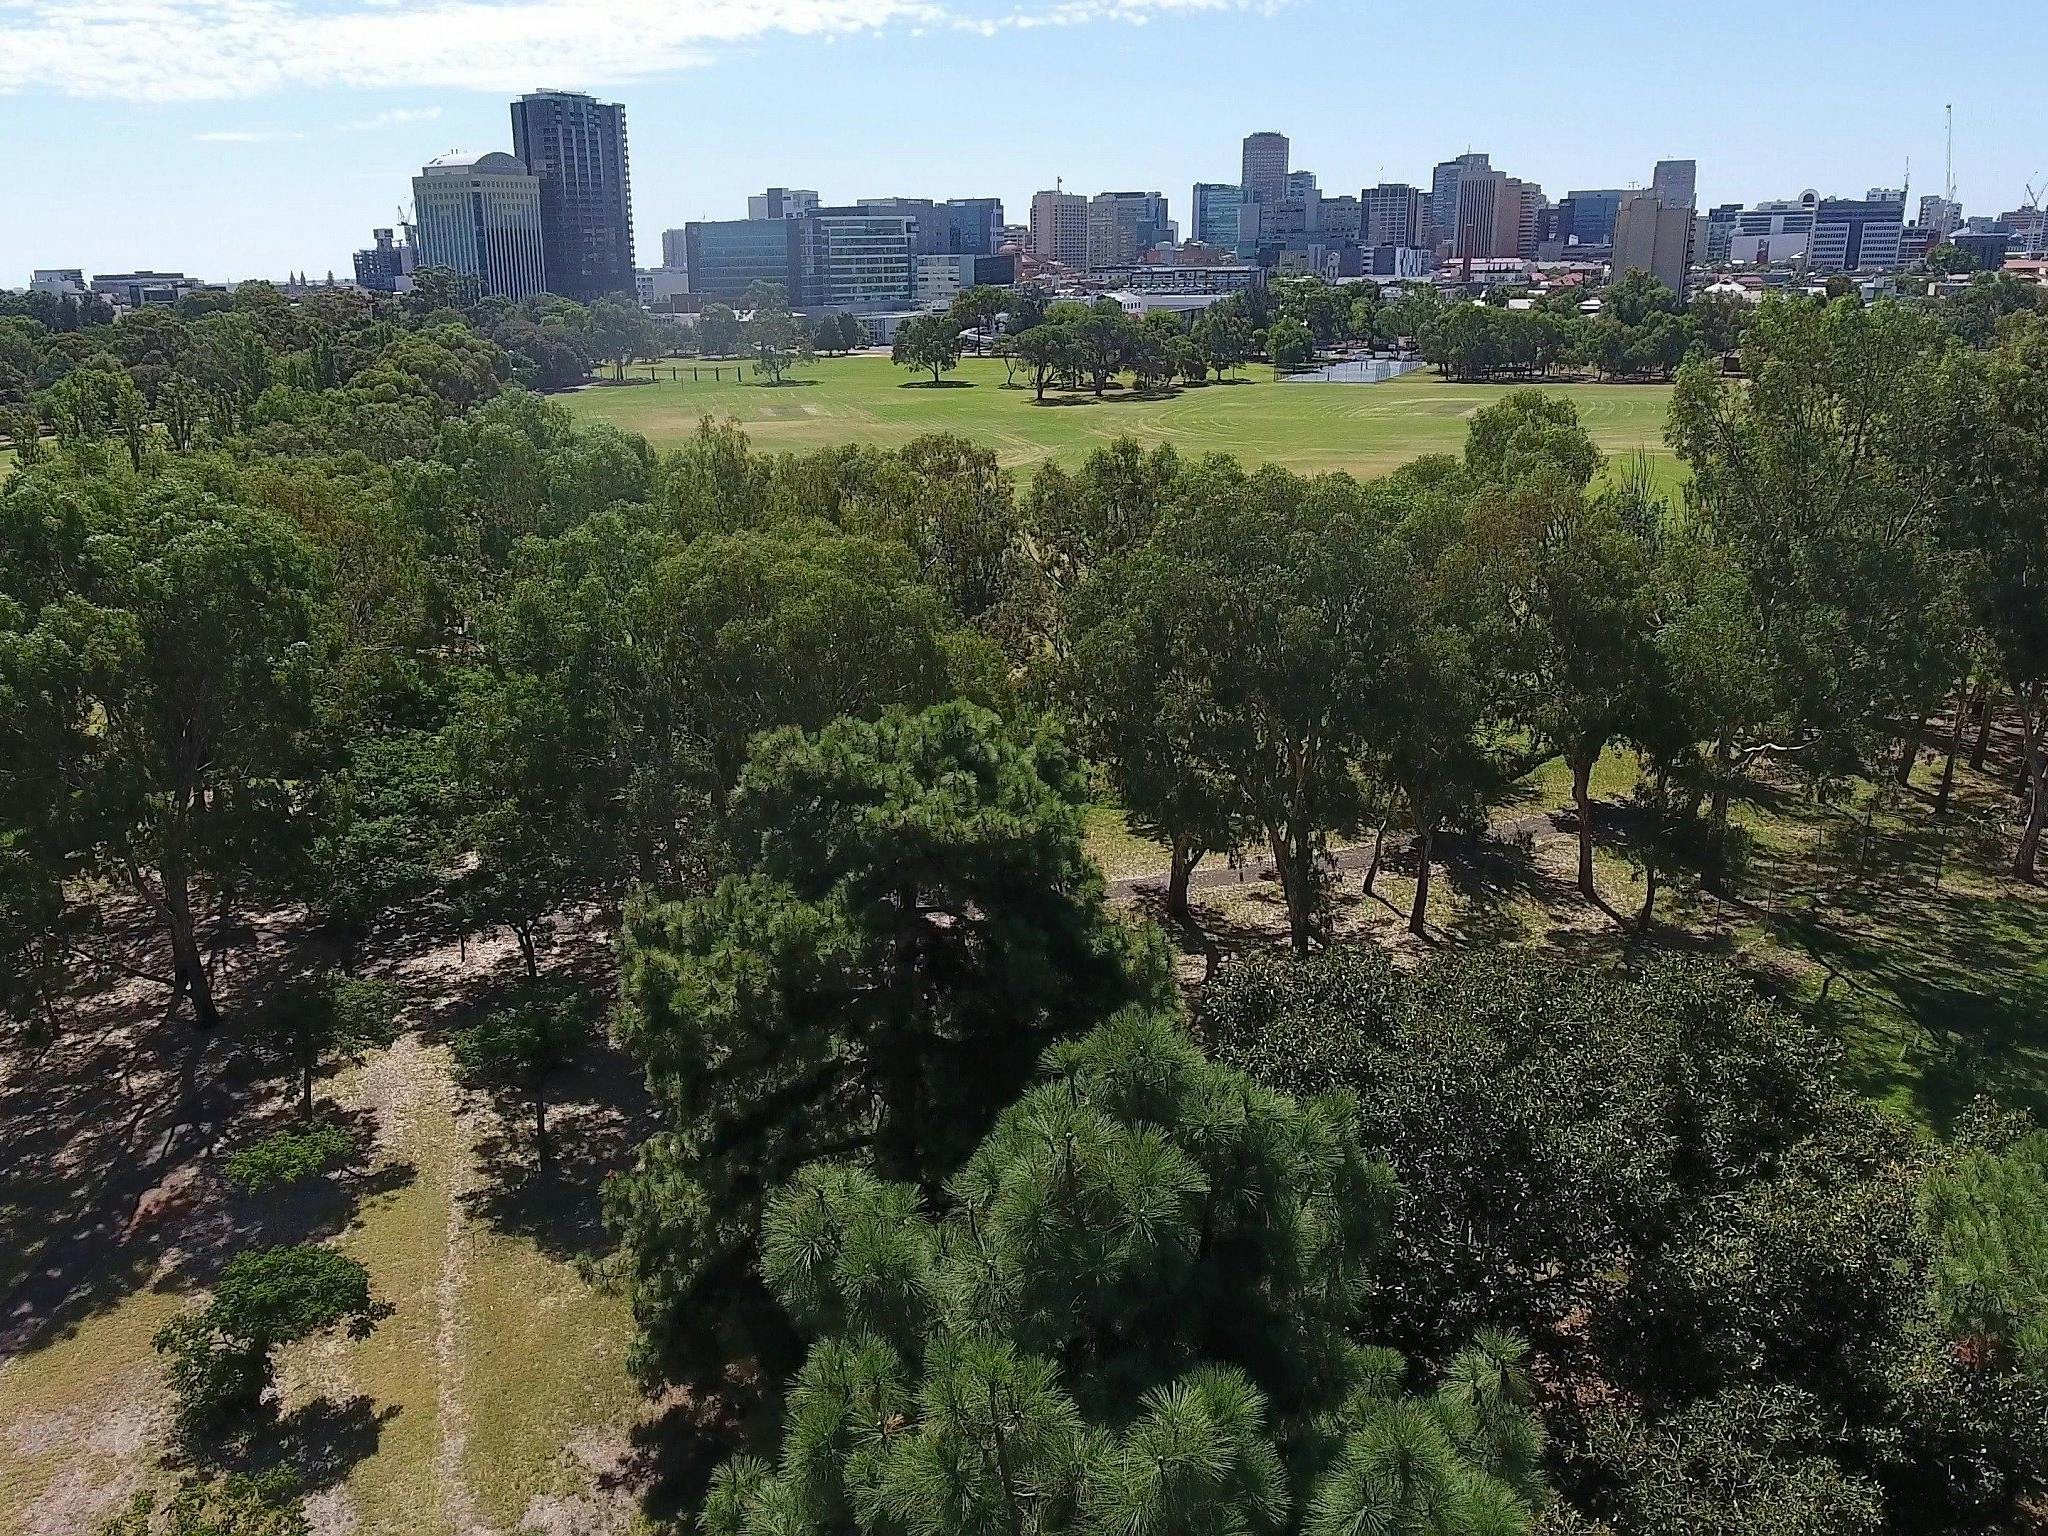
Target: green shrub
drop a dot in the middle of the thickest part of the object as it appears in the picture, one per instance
(288, 1157)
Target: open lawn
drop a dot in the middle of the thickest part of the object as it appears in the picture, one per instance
(1365, 428)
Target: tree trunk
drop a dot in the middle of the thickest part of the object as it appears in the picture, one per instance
(1909, 754)
(306, 1085)
(1724, 760)
(528, 953)
(1293, 886)
(1424, 839)
(1955, 745)
(1185, 857)
(1985, 702)
(1379, 843)
(2026, 858)
(540, 1133)
(188, 966)
(1582, 800)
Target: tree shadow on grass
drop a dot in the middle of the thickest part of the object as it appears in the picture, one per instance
(321, 1441)
(598, 1114)
(936, 384)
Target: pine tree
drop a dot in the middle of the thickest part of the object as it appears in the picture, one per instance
(1134, 1309)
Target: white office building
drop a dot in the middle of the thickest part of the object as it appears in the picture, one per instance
(479, 215)
(1771, 233)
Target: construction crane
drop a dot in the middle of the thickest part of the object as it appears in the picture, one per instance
(2037, 240)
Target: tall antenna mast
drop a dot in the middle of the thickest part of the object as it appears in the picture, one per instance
(1949, 115)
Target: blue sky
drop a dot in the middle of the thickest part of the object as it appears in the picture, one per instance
(234, 138)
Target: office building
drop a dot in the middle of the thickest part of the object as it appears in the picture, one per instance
(1722, 221)
(1405, 261)
(1986, 251)
(781, 203)
(726, 257)
(856, 258)
(483, 216)
(974, 225)
(1059, 228)
(59, 282)
(1673, 183)
(1939, 216)
(660, 287)
(1395, 214)
(1173, 277)
(132, 290)
(1496, 215)
(1123, 225)
(1443, 196)
(675, 250)
(931, 224)
(1774, 232)
(1299, 184)
(1586, 216)
(940, 279)
(384, 266)
(1650, 235)
(1857, 234)
(1340, 220)
(1213, 218)
(1264, 167)
(576, 146)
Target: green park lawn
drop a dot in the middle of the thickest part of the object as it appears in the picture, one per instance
(1365, 428)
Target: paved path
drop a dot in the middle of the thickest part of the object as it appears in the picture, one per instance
(1209, 876)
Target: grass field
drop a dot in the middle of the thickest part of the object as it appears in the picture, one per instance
(1365, 428)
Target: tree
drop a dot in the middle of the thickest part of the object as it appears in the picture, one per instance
(1224, 335)
(1278, 696)
(1122, 1317)
(774, 335)
(1290, 344)
(1046, 352)
(2005, 530)
(718, 331)
(1103, 340)
(913, 922)
(1569, 579)
(154, 642)
(1850, 414)
(335, 1017)
(930, 342)
(522, 1047)
(220, 1356)
(1786, 1300)
(229, 1504)
(622, 331)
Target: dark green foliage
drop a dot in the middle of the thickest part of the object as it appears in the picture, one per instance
(928, 342)
(1662, 1180)
(1135, 1309)
(220, 1356)
(230, 1504)
(914, 923)
(1749, 1462)
(288, 1157)
(333, 1017)
(154, 647)
(523, 1046)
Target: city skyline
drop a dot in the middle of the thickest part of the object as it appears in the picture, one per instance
(271, 180)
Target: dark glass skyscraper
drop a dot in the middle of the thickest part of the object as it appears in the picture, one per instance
(576, 145)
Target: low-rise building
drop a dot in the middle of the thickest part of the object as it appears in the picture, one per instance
(132, 290)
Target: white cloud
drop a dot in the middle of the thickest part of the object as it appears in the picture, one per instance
(213, 50)
(208, 50)
(391, 119)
